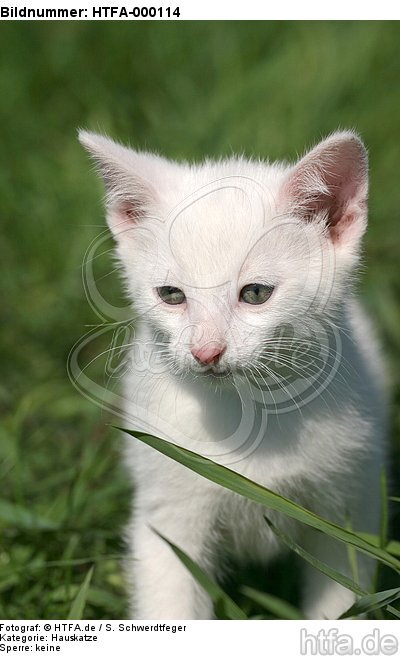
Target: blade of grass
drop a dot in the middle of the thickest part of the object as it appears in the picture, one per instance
(367, 603)
(372, 602)
(255, 492)
(13, 514)
(383, 534)
(384, 528)
(280, 608)
(318, 564)
(393, 611)
(222, 601)
(392, 547)
(67, 563)
(352, 554)
(78, 605)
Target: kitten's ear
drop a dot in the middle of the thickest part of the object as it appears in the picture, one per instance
(331, 181)
(126, 174)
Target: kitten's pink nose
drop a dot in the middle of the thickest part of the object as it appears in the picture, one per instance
(209, 354)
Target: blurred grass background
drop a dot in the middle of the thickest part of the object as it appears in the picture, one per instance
(186, 90)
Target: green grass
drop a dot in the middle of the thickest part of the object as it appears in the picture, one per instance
(186, 90)
(367, 601)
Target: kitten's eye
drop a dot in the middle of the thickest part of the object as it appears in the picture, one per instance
(256, 294)
(171, 295)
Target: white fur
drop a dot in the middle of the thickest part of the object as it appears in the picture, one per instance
(210, 229)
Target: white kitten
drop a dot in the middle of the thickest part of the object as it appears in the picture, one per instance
(253, 351)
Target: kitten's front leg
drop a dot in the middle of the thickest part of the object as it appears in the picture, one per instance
(323, 598)
(163, 589)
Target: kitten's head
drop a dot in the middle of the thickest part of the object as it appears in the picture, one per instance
(221, 257)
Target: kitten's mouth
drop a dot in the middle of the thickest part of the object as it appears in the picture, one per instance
(212, 372)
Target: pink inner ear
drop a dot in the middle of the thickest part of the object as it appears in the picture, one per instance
(129, 210)
(349, 226)
(123, 215)
(331, 180)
